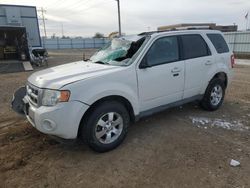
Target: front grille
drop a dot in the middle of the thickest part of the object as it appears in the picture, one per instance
(33, 94)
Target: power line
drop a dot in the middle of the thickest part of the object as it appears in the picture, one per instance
(87, 8)
(80, 3)
(69, 4)
(53, 3)
(86, 2)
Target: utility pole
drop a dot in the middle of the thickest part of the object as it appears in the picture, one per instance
(43, 11)
(62, 31)
(246, 17)
(119, 17)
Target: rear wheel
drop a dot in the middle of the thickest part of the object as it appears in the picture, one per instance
(214, 95)
(106, 126)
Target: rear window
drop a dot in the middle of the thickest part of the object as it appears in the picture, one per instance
(219, 43)
(194, 46)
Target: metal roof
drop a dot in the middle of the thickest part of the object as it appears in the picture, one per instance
(28, 6)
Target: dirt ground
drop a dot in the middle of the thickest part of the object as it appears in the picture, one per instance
(181, 147)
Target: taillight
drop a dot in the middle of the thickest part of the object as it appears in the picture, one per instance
(232, 61)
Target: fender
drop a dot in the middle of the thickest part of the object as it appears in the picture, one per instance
(91, 90)
(212, 74)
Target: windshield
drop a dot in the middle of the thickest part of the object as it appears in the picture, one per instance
(117, 52)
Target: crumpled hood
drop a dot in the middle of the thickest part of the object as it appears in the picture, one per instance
(57, 77)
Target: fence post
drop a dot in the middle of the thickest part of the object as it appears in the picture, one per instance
(57, 40)
(235, 34)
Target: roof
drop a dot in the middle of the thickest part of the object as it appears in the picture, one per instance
(137, 37)
(179, 31)
(26, 6)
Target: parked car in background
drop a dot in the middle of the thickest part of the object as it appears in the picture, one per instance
(38, 56)
(131, 77)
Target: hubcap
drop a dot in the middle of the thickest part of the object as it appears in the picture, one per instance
(216, 95)
(109, 127)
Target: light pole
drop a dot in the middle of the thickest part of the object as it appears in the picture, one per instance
(119, 17)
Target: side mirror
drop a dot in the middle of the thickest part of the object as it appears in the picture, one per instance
(144, 64)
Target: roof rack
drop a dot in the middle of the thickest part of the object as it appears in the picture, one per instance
(178, 29)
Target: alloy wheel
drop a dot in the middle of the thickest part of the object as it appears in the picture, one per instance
(109, 127)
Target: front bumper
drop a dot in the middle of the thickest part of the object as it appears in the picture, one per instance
(61, 120)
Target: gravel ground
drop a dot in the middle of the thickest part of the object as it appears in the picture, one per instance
(180, 147)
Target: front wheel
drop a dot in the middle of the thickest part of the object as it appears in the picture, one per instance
(106, 126)
(214, 95)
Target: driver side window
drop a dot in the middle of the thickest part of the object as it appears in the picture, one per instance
(163, 50)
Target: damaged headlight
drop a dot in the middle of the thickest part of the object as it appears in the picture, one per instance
(52, 97)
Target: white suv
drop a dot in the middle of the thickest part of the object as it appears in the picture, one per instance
(131, 77)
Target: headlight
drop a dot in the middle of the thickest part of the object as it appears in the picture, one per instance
(52, 97)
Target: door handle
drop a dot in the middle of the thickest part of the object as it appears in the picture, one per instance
(208, 62)
(175, 70)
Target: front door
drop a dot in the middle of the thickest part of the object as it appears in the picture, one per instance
(163, 81)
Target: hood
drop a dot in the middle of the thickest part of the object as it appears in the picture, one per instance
(57, 77)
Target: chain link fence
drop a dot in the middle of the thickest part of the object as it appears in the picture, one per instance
(239, 42)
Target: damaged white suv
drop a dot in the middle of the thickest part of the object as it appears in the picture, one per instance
(131, 77)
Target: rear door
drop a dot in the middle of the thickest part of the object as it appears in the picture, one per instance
(198, 61)
(163, 81)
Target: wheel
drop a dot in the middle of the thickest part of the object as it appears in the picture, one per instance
(214, 95)
(106, 126)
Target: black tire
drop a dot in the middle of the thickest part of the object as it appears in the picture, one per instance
(88, 132)
(206, 102)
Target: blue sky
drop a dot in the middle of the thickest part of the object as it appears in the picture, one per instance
(86, 17)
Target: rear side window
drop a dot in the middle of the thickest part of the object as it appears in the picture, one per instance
(194, 46)
(219, 43)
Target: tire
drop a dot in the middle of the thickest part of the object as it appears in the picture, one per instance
(106, 126)
(213, 98)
